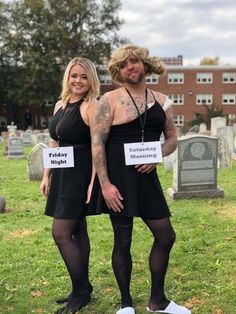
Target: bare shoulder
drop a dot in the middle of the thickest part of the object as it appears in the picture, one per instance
(160, 97)
(58, 105)
(114, 94)
(163, 100)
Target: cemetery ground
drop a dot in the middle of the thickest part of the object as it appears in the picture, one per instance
(202, 268)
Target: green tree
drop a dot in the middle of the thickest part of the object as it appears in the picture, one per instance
(205, 117)
(43, 35)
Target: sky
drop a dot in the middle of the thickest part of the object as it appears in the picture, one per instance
(192, 28)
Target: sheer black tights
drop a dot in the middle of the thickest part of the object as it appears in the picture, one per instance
(164, 237)
(72, 240)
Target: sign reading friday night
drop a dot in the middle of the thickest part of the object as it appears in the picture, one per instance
(58, 157)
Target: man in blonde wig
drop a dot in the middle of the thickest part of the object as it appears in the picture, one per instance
(128, 120)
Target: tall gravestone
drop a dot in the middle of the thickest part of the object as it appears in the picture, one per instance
(35, 162)
(195, 168)
(217, 122)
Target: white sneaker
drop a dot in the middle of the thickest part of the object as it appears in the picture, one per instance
(126, 310)
(172, 308)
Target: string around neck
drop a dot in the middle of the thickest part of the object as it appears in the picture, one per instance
(141, 121)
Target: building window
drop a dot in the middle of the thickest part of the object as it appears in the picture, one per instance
(229, 78)
(105, 79)
(204, 78)
(48, 102)
(152, 79)
(175, 78)
(228, 99)
(204, 99)
(3, 121)
(177, 99)
(179, 120)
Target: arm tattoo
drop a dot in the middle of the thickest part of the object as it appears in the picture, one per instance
(170, 132)
(100, 129)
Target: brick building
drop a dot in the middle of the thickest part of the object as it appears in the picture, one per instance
(190, 87)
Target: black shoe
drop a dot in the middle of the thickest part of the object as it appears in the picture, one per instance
(67, 299)
(75, 304)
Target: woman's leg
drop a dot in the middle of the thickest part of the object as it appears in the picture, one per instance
(164, 237)
(121, 256)
(81, 239)
(63, 231)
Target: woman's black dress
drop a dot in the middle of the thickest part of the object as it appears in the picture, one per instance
(68, 189)
(142, 193)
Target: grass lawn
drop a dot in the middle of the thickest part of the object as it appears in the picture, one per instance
(202, 267)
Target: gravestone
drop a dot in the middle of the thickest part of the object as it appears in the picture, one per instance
(217, 122)
(27, 138)
(11, 128)
(227, 132)
(43, 138)
(1, 140)
(15, 148)
(168, 161)
(195, 168)
(2, 205)
(35, 163)
(223, 153)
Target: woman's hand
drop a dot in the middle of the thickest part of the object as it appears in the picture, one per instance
(45, 185)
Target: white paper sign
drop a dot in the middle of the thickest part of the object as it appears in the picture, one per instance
(58, 157)
(142, 153)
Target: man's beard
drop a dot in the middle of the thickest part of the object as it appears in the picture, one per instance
(137, 80)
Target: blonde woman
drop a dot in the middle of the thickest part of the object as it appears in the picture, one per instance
(68, 189)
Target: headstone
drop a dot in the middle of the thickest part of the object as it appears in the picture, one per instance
(2, 205)
(223, 153)
(11, 128)
(43, 138)
(202, 127)
(35, 162)
(227, 132)
(5, 142)
(195, 168)
(217, 122)
(15, 148)
(168, 161)
(27, 138)
(1, 140)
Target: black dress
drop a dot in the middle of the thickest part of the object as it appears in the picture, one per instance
(68, 190)
(142, 193)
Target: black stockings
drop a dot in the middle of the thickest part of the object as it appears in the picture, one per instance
(164, 237)
(121, 257)
(72, 240)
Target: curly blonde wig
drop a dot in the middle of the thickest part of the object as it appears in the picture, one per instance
(152, 64)
(93, 80)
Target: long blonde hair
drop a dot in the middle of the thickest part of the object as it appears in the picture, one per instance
(93, 80)
(152, 64)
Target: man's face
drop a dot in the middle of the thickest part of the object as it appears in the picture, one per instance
(132, 70)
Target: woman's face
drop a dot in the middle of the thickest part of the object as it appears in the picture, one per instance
(78, 81)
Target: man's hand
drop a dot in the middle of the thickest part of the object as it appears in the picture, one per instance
(146, 168)
(112, 197)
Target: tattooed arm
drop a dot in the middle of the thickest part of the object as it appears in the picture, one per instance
(170, 134)
(100, 129)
